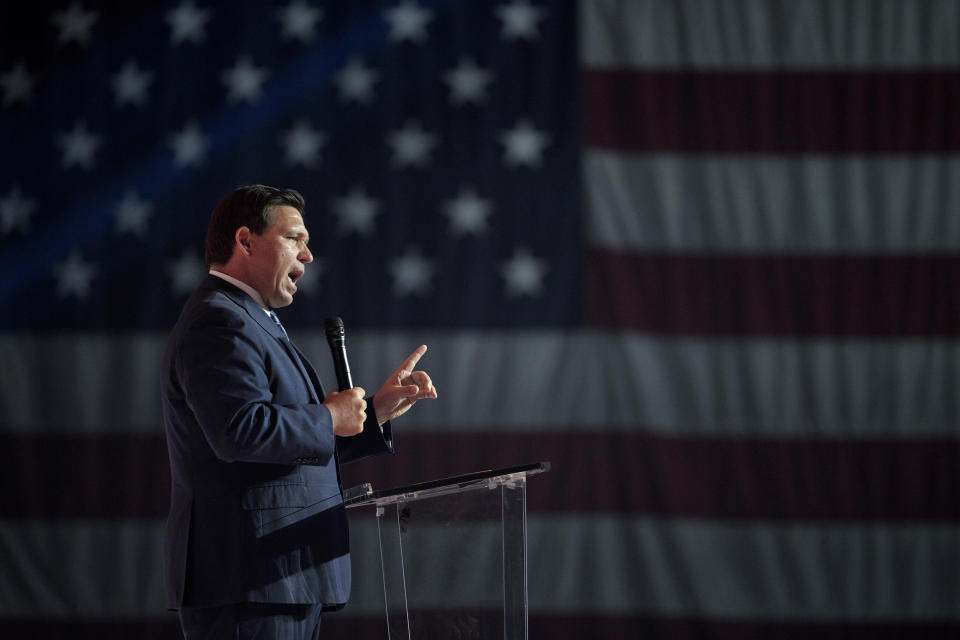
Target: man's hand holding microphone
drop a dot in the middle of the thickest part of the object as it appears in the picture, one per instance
(402, 389)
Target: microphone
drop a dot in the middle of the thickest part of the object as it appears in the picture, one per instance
(335, 338)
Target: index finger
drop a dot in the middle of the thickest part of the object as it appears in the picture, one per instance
(412, 359)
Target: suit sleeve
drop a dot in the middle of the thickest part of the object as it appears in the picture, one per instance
(371, 441)
(223, 371)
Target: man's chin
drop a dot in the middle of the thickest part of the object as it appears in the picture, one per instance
(281, 301)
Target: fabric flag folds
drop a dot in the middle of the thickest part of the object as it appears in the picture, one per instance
(704, 257)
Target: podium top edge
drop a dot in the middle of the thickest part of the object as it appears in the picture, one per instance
(452, 482)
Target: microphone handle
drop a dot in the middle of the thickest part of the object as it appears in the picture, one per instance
(340, 365)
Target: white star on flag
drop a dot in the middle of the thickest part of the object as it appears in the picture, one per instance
(189, 146)
(302, 144)
(356, 211)
(523, 274)
(130, 84)
(299, 21)
(79, 147)
(187, 23)
(244, 80)
(131, 215)
(411, 145)
(75, 24)
(468, 82)
(524, 144)
(355, 81)
(411, 273)
(519, 20)
(74, 276)
(15, 212)
(468, 213)
(17, 84)
(186, 272)
(408, 21)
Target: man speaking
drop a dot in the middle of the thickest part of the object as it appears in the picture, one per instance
(257, 543)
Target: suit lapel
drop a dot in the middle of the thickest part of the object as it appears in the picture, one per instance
(293, 353)
(311, 372)
(256, 312)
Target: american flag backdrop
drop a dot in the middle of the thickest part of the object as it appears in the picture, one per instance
(703, 256)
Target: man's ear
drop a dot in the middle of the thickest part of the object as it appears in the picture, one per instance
(241, 239)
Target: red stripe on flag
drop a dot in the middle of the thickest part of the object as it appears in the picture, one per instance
(831, 112)
(624, 628)
(696, 477)
(592, 473)
(86, 477)
(781, 295)
(80, 629)
(596, 627)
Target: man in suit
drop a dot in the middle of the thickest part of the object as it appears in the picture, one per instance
(257, 542)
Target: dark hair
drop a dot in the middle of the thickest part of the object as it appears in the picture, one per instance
(252, 207)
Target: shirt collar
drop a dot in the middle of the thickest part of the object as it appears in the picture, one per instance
(243, 286)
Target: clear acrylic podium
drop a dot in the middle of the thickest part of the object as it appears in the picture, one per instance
(453, 554)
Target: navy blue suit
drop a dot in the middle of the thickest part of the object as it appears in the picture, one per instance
(256, 513)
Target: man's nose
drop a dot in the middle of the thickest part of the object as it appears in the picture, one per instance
(305, 255)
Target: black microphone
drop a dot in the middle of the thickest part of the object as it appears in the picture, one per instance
(335, 338)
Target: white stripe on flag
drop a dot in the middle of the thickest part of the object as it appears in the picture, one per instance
(598, 565)
(544, 380)
(81, 568)
(769, 34)
(766, 204)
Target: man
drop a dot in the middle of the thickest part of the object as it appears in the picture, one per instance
(257, 542)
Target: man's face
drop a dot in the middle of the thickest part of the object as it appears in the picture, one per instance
(278, 256)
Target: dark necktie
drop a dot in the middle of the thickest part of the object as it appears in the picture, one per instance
(276, 319)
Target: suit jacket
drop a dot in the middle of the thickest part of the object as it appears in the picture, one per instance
(256, 513)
